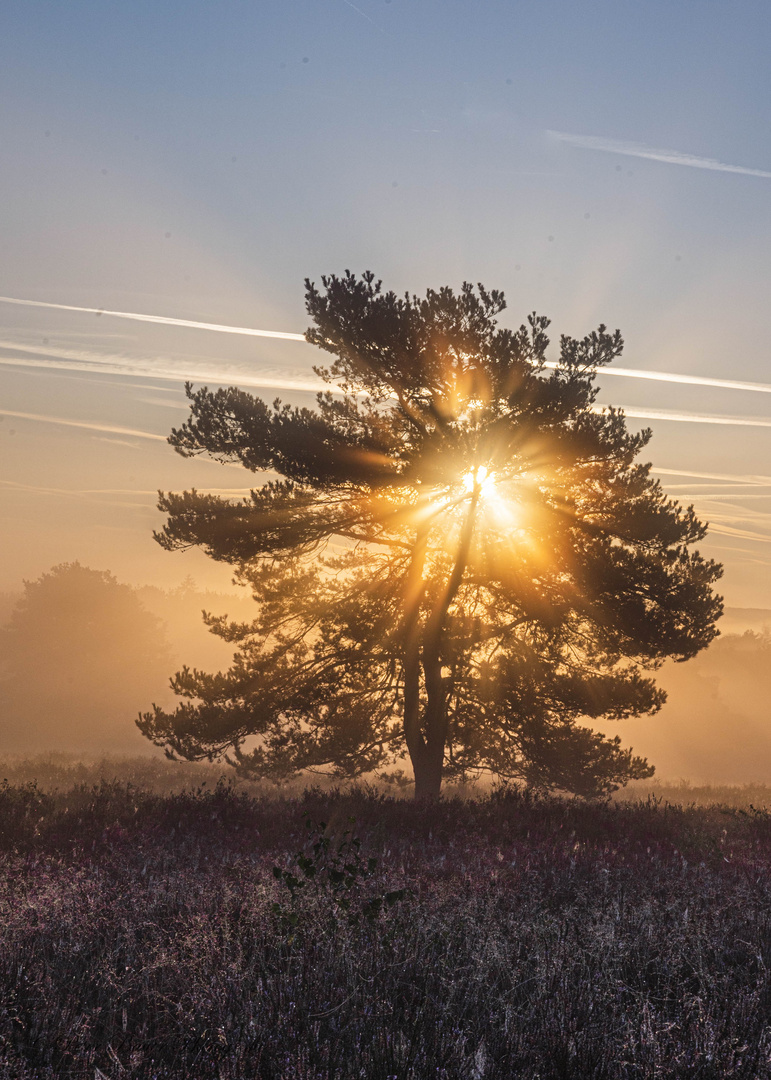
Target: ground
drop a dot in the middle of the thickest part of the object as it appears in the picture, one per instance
(215, 934)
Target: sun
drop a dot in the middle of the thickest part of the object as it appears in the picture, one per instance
(499, 501)
(482, 478)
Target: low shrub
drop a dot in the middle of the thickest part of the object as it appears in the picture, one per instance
(210, 934)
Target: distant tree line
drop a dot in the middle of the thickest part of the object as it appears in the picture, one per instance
(80, 653)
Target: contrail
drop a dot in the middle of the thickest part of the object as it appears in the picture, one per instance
(717, 496)
(733, 478)
(271, 382)
(683, 417)
(84, 492)
(280, 384)
(686, 380)
(163, 319)
(94, 363)
(642, 414)
(111, 429)
(742, 534)
(98, 363)
(754, 517)
(364, 15)
(640, 150)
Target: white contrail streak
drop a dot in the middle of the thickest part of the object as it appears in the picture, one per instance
(271, 382)
(364, 15)
(95, 364)
(81, 360)
(640, 150)
(684, 417)
(111, 429)
(84, 492)
(163, 319)
(642, 414)
(686, 380)
(719, 497)
(733, 478)
(742, 534)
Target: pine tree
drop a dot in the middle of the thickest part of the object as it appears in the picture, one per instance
(458, 557)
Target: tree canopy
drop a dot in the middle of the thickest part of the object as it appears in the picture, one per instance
(456, 556)
(79, 655)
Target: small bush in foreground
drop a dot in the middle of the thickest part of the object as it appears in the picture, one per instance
(139, 936)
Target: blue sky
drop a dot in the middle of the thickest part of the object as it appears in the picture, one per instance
(198, 161)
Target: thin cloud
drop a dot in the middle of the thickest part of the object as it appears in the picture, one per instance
(732, 487)
(235, 492)
(41, 489)
(741, 478)
(753, 560)
(640, 150)
(83, 496)
(694, 491)
(110, 429)
(82, 360)
(742, 534)
(740, 514)
(90, 362)
(276, 382)
(686, 380)
(162, 319)
(99, 364)
(646, 414)
(122, 365)
(115, 442)
(364, 15)
(632, 411)
(164, 403)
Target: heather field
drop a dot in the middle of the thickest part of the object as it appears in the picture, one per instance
(221, 933)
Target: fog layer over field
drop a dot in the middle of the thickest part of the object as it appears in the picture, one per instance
(81, 655)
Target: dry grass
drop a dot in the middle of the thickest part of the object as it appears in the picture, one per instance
(147, 935)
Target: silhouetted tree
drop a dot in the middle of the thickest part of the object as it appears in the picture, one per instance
(459, 559)
(78, 655)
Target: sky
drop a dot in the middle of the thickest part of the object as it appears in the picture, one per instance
(598, 162)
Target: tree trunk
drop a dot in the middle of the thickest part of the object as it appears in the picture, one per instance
(413, 597)
(428, 779)
(428, 755)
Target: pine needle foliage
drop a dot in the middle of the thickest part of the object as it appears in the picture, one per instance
(456, 556)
